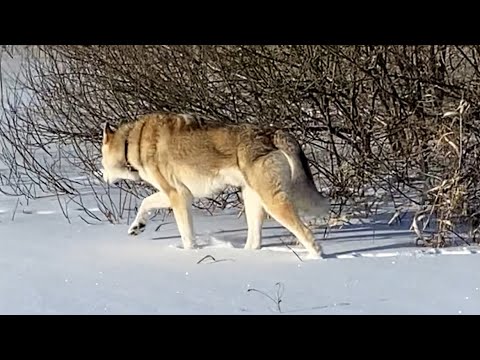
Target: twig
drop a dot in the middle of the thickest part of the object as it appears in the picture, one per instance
(161, 224)
(15, 209)
(396, 217)
(89, 223)
(459, 236)
(211, 257)
(64, 209)
(284, 243)
(279, 294)
(206, 257)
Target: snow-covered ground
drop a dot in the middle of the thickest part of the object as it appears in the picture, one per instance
(48, 266)
(51, 266)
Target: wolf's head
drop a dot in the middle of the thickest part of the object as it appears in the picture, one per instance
(114, 157)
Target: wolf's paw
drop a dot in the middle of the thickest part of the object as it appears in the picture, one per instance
(314, 256)
(136, 228)
(190, 245)
(252, 246)
(315, 252)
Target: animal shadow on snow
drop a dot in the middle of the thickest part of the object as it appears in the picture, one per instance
(374, 228)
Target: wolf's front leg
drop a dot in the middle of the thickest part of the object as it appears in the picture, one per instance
(181, 205)
(156, 201)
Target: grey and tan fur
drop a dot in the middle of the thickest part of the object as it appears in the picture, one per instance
(185, 157)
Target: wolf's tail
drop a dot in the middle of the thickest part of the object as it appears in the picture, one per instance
(306, 196)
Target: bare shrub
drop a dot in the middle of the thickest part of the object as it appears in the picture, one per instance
(379, 124)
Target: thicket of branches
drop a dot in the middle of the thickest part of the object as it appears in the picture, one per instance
(378, 123)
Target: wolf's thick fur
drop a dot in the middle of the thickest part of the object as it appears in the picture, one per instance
(185, 157)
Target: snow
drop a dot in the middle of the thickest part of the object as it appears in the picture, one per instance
(49, 265)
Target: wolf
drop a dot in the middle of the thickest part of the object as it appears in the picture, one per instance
(185, 156)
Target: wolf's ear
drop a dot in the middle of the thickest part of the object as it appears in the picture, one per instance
(107, 132)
